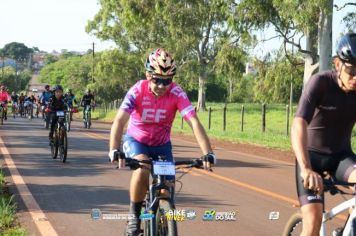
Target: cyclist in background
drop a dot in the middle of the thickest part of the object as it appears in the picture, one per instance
(151, 106)
(87, 100)
(14, 98)
(56, 103)
(21, 104)
(4, 99)
(46, 94)
(14, 101)
(321, 132)
(44, 98)
(28, 104)
(70, 98)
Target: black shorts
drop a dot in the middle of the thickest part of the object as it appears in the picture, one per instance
(339, 165)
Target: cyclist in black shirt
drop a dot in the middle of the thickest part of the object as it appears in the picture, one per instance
(87, 99)
(14, 98)
(321, 132)
(56, 103)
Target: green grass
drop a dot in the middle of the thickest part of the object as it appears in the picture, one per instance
(7, 211)
(275, 130)
(275, 135)
(15, 231)
(8, 226)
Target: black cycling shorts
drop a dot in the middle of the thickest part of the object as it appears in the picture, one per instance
(339, 165)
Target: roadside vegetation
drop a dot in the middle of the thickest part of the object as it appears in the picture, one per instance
(274, 136)
(8, 224)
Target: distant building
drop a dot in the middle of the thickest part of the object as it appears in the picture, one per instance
(250, 69)
(38, 61)
(7, 62)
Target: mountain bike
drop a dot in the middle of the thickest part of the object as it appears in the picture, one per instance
(21, 109)
(14, 109)
(29, 109)
(59, 144)
(295, 223)
(69, 115)
(2, 113)
(87, 116)
(156, 204)
(45, 116)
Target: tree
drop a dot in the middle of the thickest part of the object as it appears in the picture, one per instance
(310, 19)
(17, 51)
(50, 58)
(272, 84)
(72, 72)
(350, 18)
(230, 63)
(15, 81)
(191, 30)
(112, 80)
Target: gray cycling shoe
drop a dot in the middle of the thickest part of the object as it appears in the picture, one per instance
(133, 227)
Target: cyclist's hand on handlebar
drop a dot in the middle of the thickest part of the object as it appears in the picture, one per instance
(117, 155)
(209, 160)
(312, 181)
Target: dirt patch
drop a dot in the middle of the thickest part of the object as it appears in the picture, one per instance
(287, 156)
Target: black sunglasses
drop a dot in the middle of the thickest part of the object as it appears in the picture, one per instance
(159, 81)
(351, 70)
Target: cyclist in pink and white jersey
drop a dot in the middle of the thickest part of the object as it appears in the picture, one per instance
(4, 99)
(151, 106)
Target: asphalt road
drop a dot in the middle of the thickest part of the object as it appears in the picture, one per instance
(56, 198)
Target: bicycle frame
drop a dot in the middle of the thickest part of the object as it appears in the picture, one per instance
(158, 183)
(337, 210)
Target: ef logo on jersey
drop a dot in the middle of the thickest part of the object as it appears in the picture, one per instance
(152, 115)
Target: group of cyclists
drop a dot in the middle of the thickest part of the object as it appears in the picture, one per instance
(321, 131)
(48, 102)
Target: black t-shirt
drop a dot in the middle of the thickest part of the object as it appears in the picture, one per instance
(330, 113)
(14, 98)
(86, 100)
(57, 105)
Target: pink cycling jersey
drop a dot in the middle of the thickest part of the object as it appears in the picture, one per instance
(4, 97)
(151, 116)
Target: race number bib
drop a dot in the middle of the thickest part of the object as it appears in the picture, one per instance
(60, 113)
(164, 168)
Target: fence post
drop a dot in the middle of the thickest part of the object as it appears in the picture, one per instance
(263, 117)
(224, 118)
(242, 117)
(209, 118)
(287, 120)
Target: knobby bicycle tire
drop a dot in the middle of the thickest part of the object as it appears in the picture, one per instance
(88, 119)
(164, 226)
(46, 121)
(63, 144)
(54, 146)
(13, 111)
(2, 114)
(68, 122)
(294, 225)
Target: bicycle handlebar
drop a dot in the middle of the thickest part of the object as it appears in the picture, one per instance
(134, 164)
(330, 185)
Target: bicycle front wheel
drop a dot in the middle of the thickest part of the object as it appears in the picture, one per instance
(89, 120)
(54, 146)
(165, 226)
(63, 144)
(67, 124)
(294, 225)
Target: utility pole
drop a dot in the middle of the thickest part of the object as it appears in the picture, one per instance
(93, 56)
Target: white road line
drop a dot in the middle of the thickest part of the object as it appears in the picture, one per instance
(38, 217)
